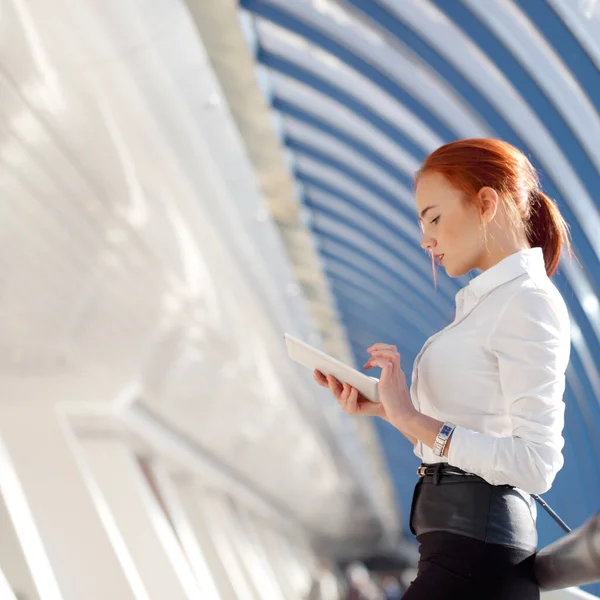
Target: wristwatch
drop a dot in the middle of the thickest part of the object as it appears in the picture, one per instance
(442, 438)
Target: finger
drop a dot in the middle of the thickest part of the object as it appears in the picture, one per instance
(345, 391)
(352, 403)
(386, 376)
(379, 361)
(381, 346)
(386, 354)
(333, 381)
(343, 397)
(320, 378)
(382, 363)
(335, 386)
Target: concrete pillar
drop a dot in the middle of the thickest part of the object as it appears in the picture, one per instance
(146, 532)
(249, 552)
(272, 555)
(54, 513)
(219, 536)
(6, 592)
(181, 497)
(12, 559)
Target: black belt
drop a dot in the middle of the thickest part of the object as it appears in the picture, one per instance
(439, 469)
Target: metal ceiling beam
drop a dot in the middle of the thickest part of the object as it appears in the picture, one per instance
(399, 167)
(361, 55)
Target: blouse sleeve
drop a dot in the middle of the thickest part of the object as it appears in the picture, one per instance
(531, 342)
(418, 449)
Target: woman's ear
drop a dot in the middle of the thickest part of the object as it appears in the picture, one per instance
(488, 203)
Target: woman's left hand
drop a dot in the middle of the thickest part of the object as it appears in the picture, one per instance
(393, 390)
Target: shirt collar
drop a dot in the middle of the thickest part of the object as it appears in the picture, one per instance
(530, 261)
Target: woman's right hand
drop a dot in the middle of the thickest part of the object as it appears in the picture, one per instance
(349, 398)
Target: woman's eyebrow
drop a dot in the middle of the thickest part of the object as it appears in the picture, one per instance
(426, 210)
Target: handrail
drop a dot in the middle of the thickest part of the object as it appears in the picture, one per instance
(573, 560)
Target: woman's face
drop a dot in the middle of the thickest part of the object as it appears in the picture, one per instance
(451, 227)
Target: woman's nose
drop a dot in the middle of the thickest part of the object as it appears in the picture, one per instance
(427, 242)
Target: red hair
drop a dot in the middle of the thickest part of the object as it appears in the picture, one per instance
(472, 164)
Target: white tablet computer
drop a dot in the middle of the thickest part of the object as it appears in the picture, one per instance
(311, 357)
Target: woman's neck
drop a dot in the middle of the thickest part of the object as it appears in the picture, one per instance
(493, 257)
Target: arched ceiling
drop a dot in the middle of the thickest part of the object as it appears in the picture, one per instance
(363, 90)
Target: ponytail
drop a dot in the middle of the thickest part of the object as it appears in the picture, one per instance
(547, 229)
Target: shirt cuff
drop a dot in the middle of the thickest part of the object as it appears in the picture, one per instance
(473, 452)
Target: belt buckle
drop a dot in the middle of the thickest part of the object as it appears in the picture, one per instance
(421, 471)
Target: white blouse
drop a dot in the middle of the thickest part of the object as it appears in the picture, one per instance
(498, 373)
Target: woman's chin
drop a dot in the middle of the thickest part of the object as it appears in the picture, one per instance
(452, 271)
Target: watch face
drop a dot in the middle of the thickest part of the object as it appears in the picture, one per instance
(446, 429)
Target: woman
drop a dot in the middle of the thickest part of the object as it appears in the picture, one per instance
(485, 410)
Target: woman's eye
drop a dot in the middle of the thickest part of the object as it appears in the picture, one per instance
(435, 220)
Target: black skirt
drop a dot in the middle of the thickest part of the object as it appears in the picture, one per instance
(454, 567)
(476, 540)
